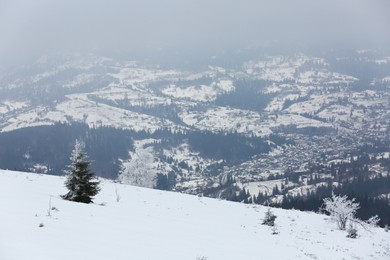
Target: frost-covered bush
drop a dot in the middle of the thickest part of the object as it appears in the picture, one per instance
(269, 218)
(141, 169)
(343, 210)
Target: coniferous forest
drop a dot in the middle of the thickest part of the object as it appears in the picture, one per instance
(50, 146)
(354, 179)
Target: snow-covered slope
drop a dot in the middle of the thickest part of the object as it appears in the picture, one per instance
(150, 224)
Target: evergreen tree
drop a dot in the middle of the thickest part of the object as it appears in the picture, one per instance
(80, 180)
(165, 181)
(269, 218)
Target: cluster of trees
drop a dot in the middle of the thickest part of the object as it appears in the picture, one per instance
(230, 147)
(48, 145)
(165, 181)
(369, 205)
(353, 179)
(360, 68)
(83, 186)
(247, 95)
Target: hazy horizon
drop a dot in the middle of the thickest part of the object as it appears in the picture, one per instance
(33, 28)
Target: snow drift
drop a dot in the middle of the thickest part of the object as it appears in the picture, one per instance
(127, 222)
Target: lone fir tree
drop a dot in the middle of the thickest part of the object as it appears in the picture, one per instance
(81, 181)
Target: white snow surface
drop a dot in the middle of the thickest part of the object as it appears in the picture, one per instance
(11, 105)
(386, 79)
(131, 74)
(151, 224)
(79, 108)
(183, 153)
(80, 79)
(226, 119)
(280, 68)
(199, 93)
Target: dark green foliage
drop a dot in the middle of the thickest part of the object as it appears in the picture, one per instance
(243, 196)
(352, 233)
(228, 193)
(230, 147)
(357, 182)
(269, 218)
(165, 181)
(81, 181)
(261, 198)
(288, 102)
(50, 146)
(247, 95)
(358, 67)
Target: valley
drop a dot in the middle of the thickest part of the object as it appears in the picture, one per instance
(272, 121)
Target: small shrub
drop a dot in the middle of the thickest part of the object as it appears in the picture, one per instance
(269, 218)
(352, 232)
(373, 221)
(275, 230)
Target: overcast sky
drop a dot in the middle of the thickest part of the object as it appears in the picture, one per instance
(34, 27)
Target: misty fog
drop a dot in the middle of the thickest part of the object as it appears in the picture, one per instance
(33, 28)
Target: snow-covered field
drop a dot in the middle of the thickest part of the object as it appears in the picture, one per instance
(305, 91)
(280, 68)
(9, 105)
(200, 93)
(80, 108)
(151, 224)
(226, 119)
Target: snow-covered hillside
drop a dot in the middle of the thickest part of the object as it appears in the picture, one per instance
(128, 222)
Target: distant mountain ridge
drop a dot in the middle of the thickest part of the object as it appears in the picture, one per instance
(266, 123)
